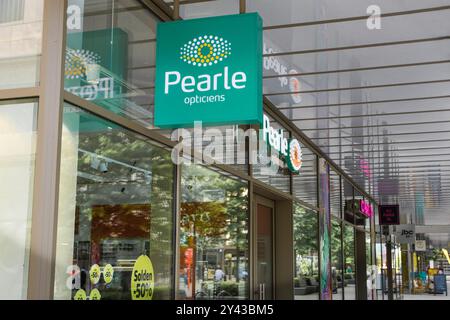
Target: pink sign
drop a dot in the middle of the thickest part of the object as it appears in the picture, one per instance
(365, 208)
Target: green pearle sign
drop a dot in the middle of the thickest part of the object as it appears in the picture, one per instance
(209, 70)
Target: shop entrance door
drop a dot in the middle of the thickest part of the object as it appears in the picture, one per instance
(264, 215)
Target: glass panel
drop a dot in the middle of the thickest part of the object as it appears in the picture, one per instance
(349, 263)
(342, 34)
(336, 260)
(292, 11)
(304, 184)
(347, 191)
(381, 284)
(18, 140)
(110, 56)
(370, 286)
(213, 235)
(335, 194)
(115, 205)
(208, 8)
(20, 42)
(264, 251)
(306, 274)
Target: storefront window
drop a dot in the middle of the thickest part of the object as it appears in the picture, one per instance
(20, 42)
(336, 260)
(110, 56)
(115, 220)
(370, 272)
(214, 248)
(349, 263)
(380, 281)
(306, 257)
(18, 141)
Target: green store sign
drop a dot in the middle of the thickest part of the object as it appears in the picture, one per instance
(288, 149)
(209, 70)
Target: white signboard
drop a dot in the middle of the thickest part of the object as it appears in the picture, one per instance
(406, 233)
(421, 245)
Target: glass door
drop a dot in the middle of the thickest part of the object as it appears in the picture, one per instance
(264, 249)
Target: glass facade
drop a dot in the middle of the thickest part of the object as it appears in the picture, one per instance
(124, 205)
(349, 263)
(116, 204)
(337, 271)
(304, 185)
(214, 237)
(18, 131)
(306, 254)
(110, 56)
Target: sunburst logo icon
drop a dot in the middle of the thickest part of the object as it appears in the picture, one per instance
(294, 158)
(205, 51)
(77, 61)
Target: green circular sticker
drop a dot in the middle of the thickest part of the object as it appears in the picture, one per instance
(142, 281)
(94, 274)
(95, 295)
(80, 295)
(108, 273)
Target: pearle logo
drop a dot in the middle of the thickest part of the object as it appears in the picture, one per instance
(290, 149)
(294, 159)
(79, 62)
(205, 51)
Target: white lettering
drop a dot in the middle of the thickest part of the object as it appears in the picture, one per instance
(215, 80)
(206, 82)
(225, 77)
(235, 80)
(73, 17)
(374, 20)
(185, 84)
(276, 137)
(168, 83)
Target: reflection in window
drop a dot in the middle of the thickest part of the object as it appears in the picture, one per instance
(370, 272)
(306, 258)
(347, 191)
(336, 260)
(18, 141)
(115, 205)
(304, 184)
(110, 56)
(213, 235)
(349, 263)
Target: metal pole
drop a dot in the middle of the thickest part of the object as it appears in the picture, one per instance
(389, 269)
(242, 6)
(176, 9)
(46, 181)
